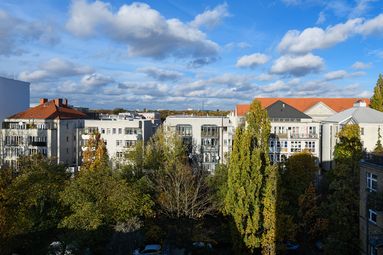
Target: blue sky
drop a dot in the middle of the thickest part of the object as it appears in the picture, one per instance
(168, 54)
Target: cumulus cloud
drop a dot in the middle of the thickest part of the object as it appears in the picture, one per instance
(297, 65)
(95, 80)
(239, 45)
(211, 18)
(144, 30)
(252, 60)
(316, 38)
(54, 68)
(335, 75)
(296, 42)
(372, 26)
(361, 65)
(161, 74)
(15, 32)
(275, 86)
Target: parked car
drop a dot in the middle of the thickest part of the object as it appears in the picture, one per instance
(150, 249)
(201, 248)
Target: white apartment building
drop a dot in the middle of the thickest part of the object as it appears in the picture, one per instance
(50, 128)
(209, 139)
(291, 131)
(120, 132)
(14, 97)
(369, 120)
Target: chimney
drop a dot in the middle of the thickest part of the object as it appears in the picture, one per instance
(65, 102)
(360, 103)
(58, 102)
(43, 100)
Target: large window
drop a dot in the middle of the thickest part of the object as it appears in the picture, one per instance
(210, 131)
(372, 216)
(184, 130)
(372, 182)
(295, 146)
(310, 145)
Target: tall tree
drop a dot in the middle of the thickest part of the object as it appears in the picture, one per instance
(343, 199)
(95, 154)
(376, 101)
(251, 192)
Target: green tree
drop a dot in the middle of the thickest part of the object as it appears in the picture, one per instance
(218, 185)
(29, 199)
(251, 192)
(312, 224)
(343, 199)
(296, 178)
(376, 101)
(379, 147)
(100, 198)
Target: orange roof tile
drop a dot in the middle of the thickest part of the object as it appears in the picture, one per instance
(303, 104)
(49, 110)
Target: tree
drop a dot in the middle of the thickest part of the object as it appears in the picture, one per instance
(29, 198)
(312, 223)
(99, 198)
(296, 178)
(379, 147)
(343, 199)
(95, 155)
(218, 185)
(252, 182)
(376, 101)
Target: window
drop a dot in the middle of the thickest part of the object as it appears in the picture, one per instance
(362, 131)
(184, 130)
(295, 146)
(108, 131)
(102, 130)
(118, 142)
(120, 131)
(310, 146)
(372, 182)
(114, 131)
(373, 250)
(67, 139)
(372, 216)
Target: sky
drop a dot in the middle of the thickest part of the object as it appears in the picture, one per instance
(168, 54)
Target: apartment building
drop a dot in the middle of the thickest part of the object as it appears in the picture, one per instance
(371, 205)
(369, 120)
(209, 139)
(50, 128)
(120, 132)
(291, 131)
(14, 97)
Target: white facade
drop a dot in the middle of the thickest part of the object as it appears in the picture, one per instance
(289, 137)
(14, 97)
(209, 138)
(369, 120)
(57, 139)
(119, 132)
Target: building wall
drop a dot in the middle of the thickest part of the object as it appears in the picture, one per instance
(368, 230)
(14, 97)
(59, 139)
(291, 137)
(113, 132)
(224, 138)
(319, 112)
(368, 136)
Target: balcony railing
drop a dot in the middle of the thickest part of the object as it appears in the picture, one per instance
(304, 136)
(375, 158)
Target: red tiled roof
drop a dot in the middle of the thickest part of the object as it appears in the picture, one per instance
(49, 110)
(303, 104)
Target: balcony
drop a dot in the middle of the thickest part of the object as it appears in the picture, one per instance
(303, 136)
(38, 144)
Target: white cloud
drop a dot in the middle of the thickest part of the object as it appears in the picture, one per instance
(362, 6)
(252, 60)
(54, 68)
(145, 31)
(161, 74)
(361, 65)
(275, 86)
(16, 33)
(297, 65)
(316, 38)
(95, 80)
(335, 75)
(296, 42)
(372, 26)
(264, 77)
(211, 18)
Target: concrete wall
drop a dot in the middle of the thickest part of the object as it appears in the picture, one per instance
(14, 97)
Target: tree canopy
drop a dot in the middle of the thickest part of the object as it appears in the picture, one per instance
(376, 101)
